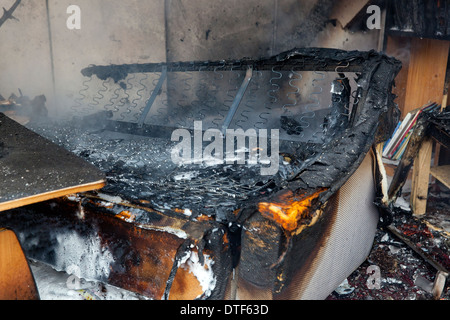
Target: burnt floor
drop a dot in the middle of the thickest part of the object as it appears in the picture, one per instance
(404, 274)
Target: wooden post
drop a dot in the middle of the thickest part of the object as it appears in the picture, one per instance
(426, 79)
(421, 178)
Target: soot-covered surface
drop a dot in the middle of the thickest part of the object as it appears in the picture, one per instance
(141, 168)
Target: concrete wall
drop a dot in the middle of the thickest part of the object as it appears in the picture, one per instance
(40, 55)
(25, 60)
(221, 29)
(39, 47)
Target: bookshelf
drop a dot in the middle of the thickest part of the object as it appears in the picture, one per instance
(423, 169)
(421, 81)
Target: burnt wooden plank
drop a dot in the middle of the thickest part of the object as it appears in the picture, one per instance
(34, 169)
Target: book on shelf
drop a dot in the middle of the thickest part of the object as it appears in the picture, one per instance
(398, 154)
(396, 145)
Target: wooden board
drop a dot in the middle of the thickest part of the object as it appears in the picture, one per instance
(33, 169)
(422, 77)
(442, 173)
(425, 83)
(426, 72)
(16, 279)
(421, 178)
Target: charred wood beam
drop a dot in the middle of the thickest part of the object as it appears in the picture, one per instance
(440, 135)
(440, 128)
(429, 125)
(419, 134)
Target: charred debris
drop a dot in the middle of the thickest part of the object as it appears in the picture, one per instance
(24, 107)
(211, 206)
(307, 168)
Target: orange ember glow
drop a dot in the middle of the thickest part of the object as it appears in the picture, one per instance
(126, 215)
(289, 209)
